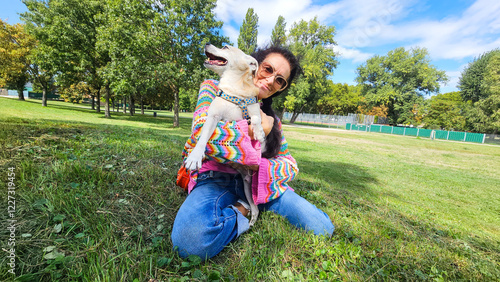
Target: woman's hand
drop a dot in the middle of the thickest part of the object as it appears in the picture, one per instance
(267, 124)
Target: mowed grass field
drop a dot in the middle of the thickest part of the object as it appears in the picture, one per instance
(96, 199)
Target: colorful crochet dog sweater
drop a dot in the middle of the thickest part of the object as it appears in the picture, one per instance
(230, 143)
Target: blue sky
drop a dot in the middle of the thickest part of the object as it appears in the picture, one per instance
(454, 32)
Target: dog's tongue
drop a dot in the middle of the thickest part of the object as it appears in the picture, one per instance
(216, 62)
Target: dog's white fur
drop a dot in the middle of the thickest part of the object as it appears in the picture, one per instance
(236, 79)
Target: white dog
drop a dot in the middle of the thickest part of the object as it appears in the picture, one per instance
(237, 99)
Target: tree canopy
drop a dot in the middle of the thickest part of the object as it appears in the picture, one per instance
(128, 47)
(398, 78)
(15, 47)
(472, 81)
(312, 43)
(278, 35)
(247, 40)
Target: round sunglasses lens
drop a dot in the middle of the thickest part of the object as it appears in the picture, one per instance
(267, 70)
(280, 83)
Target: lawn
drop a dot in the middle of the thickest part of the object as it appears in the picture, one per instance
(96, 199)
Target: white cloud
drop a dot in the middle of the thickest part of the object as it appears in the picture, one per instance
(232, 13)
(355, 55)
(457, 37)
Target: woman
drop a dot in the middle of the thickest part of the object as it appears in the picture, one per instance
(214, 213)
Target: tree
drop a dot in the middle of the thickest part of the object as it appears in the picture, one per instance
(311, 42)
(445, 111)
(397, 79)
(15, 47)
(278, 36)
(471, 81)
(341, 99)
(68, 31)
(247, 40)
(480, 85)
(178, 33)
(123, 36)
(485, 115)
(75, 93)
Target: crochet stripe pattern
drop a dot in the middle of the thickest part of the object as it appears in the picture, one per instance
(230, 143)
(225, 142)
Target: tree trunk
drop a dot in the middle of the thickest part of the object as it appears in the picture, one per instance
(131, 109)
(20, 93)
(113, 103)
(176, 108)
(282, 113)
(124, 104)
(142, 105)
(98, 108)
(93, 101)
(44, 96)
(107, 113)
(296, 113)
(294, 117)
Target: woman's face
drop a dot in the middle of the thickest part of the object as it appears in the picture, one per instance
(267, 85)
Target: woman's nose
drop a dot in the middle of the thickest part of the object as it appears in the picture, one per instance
(270, 80)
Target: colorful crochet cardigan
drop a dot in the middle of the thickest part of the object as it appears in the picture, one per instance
(230, 143)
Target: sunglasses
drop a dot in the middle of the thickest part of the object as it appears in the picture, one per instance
(266, 69)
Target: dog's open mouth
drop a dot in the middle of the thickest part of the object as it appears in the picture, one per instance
(215, 60)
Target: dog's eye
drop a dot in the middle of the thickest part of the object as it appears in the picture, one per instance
(225, 47)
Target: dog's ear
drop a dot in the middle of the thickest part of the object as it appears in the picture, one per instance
(253, 65)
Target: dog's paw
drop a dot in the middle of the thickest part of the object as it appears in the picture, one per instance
(261, 136)
(193, 162)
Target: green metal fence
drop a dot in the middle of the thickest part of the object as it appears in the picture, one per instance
(420, 132)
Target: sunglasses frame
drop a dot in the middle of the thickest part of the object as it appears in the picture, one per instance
(275, 83)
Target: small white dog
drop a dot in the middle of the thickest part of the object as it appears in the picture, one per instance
(237, 99)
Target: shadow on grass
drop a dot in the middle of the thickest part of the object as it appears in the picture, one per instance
(340, 176)
(161, 119)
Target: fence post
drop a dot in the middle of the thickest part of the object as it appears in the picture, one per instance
(404, 131)
(448, 135)
(484, 137)
(465, 136)
(392, 129)
(418, 132)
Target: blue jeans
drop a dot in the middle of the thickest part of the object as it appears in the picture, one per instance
(207, 221)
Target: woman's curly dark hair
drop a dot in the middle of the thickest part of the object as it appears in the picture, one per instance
(273, 139)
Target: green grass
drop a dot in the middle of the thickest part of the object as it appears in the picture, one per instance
(101, 194)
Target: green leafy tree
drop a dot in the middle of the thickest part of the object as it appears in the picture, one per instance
(15, 47)
(445, 111)
(485, 115)
(278, 36)
(341, 99)
(311, 42)
(68, 31)
(123, 35)
(480, 85)
(398, 79)
(471, 83)
(247, 40)
(178, 33)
